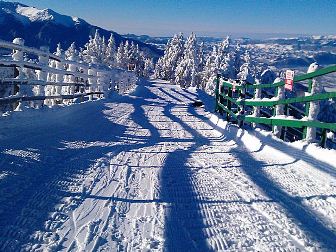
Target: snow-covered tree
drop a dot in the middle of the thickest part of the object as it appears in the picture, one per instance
(201, 57)
(95, 50)
(158, 68)
(120, 55)
(238, 60)
(245, 73)
(172, 57)
(211, 68)
(111, 51)
(148, 67)
(59, 51)
(72, 53)
(188, 71)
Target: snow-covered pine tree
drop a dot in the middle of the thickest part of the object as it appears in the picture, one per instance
(245, 73)
(172, 56)
(211, 68)
(224, 48)
(148, 68)
(188, 68)
(59, 51)
(238, 60)
(111, 51)
(120, 55)
(201, 59)
(72, 53)
(95, 50)
(158, 70)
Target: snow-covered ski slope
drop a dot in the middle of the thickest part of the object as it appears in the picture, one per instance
(148, 172)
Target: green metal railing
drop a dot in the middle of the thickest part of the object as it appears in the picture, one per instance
(231, 99)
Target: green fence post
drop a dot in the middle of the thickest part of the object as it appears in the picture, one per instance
(229, 105)
(217, 93)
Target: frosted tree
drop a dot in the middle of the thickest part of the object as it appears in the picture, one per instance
(148, 67)
(245, 73)
(95, 50)
(224, 48)
(211, 68)
(158, 69)
(172, 57)
(59, 51)
(111, 51)
(187, 70)
(238, 60)
(201, 57)
(72, 53)
(120, 56)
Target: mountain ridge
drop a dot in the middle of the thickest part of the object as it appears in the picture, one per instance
(41, 27)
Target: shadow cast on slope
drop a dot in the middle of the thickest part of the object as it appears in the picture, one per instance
(184, 221)
(293, 205)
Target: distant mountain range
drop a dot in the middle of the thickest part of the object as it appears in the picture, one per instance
(47, 27)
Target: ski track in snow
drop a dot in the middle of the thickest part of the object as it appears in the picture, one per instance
(148, 172)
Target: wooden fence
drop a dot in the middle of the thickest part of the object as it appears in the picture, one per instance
(235, 100)
(31, 77)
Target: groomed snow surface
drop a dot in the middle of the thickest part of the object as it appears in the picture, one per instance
(149, 172)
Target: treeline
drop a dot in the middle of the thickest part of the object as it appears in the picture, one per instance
(106, 53)
(187, 63)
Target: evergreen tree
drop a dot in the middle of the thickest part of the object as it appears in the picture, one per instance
(158, 70)
(245, 73)
(72, 53)
(211, 68)
(120, 56)
(238, 60)
(95, 50)
(148, 67)
(187, 71)
(111, 51)
(171, 58)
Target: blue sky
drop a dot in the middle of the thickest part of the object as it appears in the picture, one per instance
(207, 17)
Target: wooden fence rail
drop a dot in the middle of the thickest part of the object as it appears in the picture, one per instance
(50, 79)
(232, 99)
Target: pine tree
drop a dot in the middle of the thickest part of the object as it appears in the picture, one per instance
(95, 50)
(245, 73)
(110, 53)
(59, 51)
(171, 58)
(211, 68)
(120, 55)
(148, 68)
(187, 71)
(72, 53)
(158, 70)
(238, 60)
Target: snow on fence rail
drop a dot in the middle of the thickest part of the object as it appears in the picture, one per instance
(243, 110)
(50, 79)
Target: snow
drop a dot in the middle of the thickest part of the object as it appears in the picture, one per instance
(37, 15)
(148, 172)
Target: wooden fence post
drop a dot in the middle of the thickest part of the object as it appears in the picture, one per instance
(59, 78)
(257, 95)
(91, 81)
(279, 109)
(242, 95)
(17, 56)
(42, 76)
(313, 107)
(229, 103)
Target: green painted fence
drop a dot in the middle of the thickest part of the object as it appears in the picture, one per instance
(231, 99)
